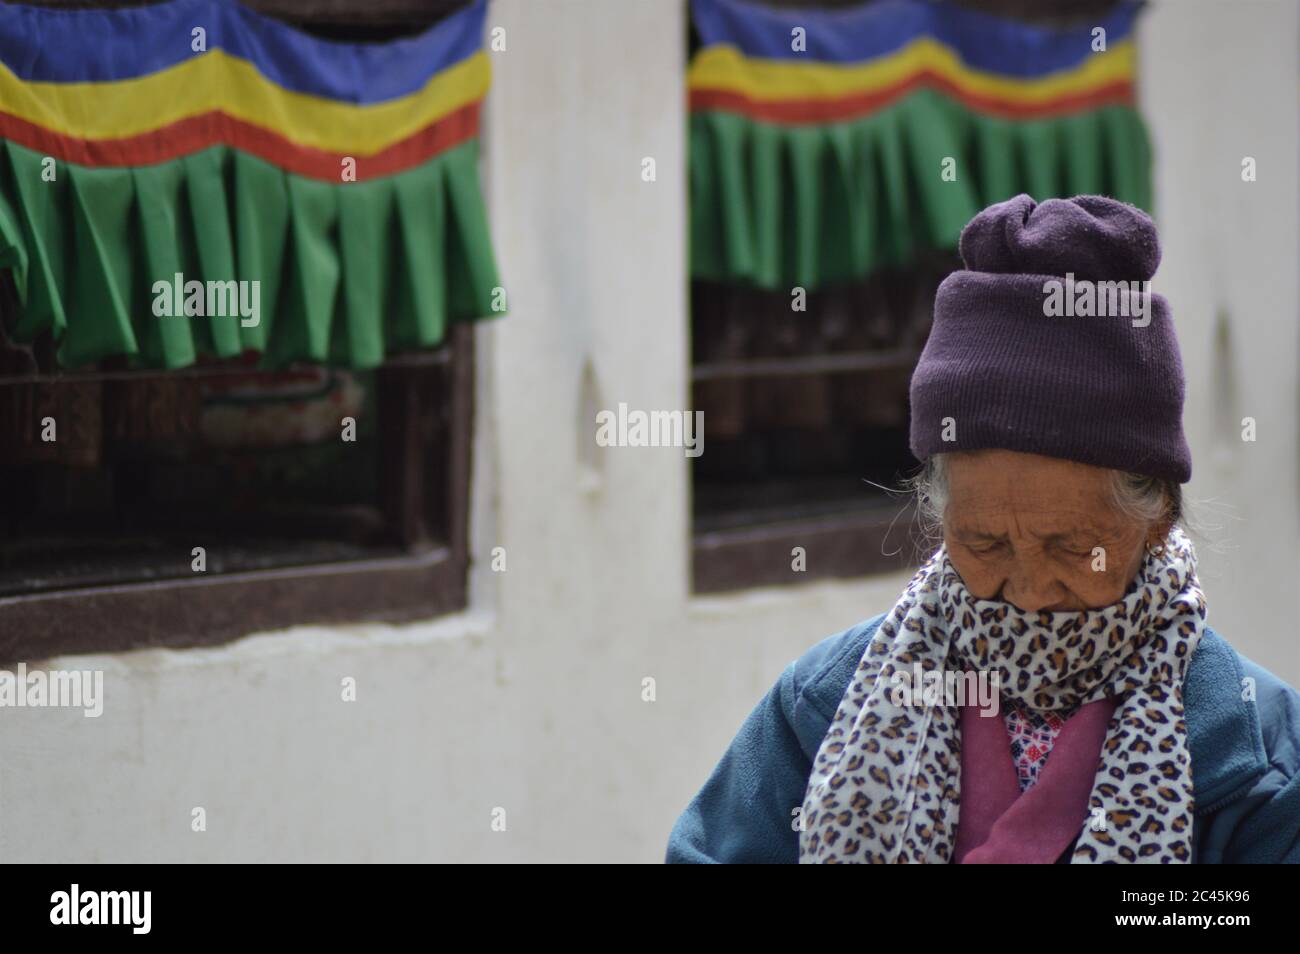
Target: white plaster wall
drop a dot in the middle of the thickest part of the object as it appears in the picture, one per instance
(532, 700)
(1220, 82)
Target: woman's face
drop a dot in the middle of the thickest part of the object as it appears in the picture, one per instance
(1026, 529)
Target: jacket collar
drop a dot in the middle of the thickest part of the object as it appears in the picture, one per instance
(1223, 730)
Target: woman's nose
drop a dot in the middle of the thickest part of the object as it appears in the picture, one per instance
(1031, 590)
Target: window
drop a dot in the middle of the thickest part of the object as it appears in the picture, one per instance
(194, 506)
(296, 524)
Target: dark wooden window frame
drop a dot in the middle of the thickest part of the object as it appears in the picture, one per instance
(848, 545)
(428, 579)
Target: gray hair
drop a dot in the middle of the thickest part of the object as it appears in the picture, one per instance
(1146, 500)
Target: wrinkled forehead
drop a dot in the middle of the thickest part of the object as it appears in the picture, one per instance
(1053, 495)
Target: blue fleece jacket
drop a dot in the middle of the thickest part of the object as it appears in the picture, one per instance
(1245, 753)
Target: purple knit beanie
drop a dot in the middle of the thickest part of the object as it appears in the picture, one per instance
(1044, 344)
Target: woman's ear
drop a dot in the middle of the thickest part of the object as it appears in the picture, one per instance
(1158, 533)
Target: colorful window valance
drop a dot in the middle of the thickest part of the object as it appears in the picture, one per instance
(198, 141)
(815, 165)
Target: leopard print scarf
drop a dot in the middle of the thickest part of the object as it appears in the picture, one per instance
(885, 784)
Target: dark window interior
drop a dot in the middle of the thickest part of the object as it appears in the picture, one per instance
(250, 465)
(807, 421)
(805, 410)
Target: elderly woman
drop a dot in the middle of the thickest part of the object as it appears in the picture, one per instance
(1046, 688)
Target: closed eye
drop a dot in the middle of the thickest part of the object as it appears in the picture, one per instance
(1074, 549)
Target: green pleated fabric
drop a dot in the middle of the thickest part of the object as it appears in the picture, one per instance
(779, 206)
(349, 272)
